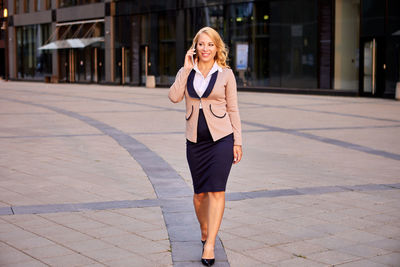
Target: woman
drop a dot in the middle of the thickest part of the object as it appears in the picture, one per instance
(213, 129)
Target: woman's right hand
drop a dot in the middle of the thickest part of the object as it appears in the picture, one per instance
(189, 59)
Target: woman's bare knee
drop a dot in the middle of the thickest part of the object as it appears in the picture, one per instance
(200, 196)
(217, 195)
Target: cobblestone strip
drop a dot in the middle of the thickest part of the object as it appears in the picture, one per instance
(76, 207)
(184, 238)
(183, 205)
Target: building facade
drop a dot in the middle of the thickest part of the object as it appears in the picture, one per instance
(3, 38)
(334, 45)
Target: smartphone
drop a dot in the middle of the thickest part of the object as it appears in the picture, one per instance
(194, 56)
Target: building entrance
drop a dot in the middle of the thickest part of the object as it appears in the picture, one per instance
(82, 65)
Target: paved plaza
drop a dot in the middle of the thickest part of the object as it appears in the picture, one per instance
(96, 175)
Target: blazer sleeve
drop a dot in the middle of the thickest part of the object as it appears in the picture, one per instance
(232, 107)
(177, 90)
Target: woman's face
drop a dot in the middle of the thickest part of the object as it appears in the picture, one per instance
(205, 49)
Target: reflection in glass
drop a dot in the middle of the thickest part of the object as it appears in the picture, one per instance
(40, 5)
(26, 6)
(66, 3)
(196, 18)
(347, 35)
(17, 4)
(33, 63)
(369, 67)
(282, 43)
(37, 5)
(158, 34)
(278, 43)
(167, 53)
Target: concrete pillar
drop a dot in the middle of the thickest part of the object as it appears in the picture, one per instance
(109, 48)
(12, 59)
(55, 59)
(10, 7)
(135, 50)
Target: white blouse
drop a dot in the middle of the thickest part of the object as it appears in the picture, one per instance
(200, 83)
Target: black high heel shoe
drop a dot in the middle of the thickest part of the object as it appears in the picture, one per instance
(207, 262)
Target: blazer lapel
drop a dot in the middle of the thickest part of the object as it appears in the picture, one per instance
(210, 86)
(190, 87)
(209, 89)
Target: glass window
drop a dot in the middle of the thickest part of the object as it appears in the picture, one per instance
(67, 3)
(26, 6)
(196, 18)
(122, 50)
(273, 44)
(166, 47)
(261, 43)
(33, 63)
(293, 44)
(16, 6)
(241, 41)
(270, 43)
(347, 45)
(157, 47)
(40, 5)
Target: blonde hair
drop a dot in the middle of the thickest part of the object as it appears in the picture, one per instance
(222, 51)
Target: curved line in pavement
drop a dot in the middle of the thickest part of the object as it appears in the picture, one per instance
(327, 140)
(234, 196)
(179, 216)
(322, 111)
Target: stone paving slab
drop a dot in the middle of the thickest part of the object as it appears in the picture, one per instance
(69, 239)
(318, 184)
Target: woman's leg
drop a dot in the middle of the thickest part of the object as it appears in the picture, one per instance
(216, 208)
(200, 202)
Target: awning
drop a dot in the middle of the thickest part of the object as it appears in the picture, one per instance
(71, 43)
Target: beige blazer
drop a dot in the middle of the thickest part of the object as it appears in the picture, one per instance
(220, 108)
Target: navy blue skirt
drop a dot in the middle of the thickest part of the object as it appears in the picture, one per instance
(209, 162)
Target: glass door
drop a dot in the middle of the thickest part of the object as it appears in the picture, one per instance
(373, 67)
(83, 67)
(369, 68)
(144, 63)
(126, 65)
(100, 74)
(71, 65)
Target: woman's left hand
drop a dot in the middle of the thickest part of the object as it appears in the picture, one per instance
(237, 154)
